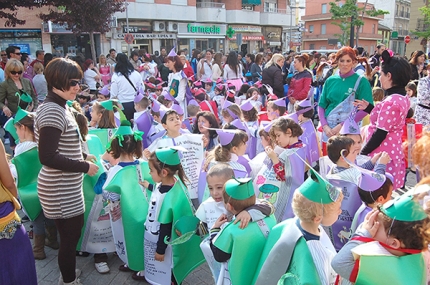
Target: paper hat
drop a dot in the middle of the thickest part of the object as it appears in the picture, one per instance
(24, 97)
(156, 106)
(220, 86)
(105, 90)
(138, 98)
(239, 124)
(178, 109)
(294, 117)
(239, 189)
(168, 97)
(69, 103)
(318, 190)
(193, 102)
(198, 84)
(258, 84)
(172, 52)
(405, 209)
(163, 111)
(350, 127)
(272, 97)
(226, 104)
(281, 102)
(150, 85)
(209, 81)
(199, 91)
(159, 86)
(10, 124)
(187, 226)
(111, 104)
(247, 105)
(124, 130)
(142, 89)
(219, 81)
(168, 155)
(269, 126)
(231, 85)
(231, 93)
(304, 103)
(225, 135)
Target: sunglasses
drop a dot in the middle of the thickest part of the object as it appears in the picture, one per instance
(17, 53)
(73, 83)
(3, 54)
(16, 72)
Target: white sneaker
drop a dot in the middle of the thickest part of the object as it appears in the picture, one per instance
(102, 267)
(76, 282)
(77, 274)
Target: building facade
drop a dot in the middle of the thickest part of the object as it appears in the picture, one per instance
(417, 24)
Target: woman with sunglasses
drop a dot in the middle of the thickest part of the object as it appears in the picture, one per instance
(59, 184)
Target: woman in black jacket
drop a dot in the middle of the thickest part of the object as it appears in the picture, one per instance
(272, 74)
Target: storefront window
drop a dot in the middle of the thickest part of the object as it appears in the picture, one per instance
(63, 44)
(28, 40)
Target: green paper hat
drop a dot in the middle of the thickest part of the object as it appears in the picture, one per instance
(124, 130)
(24, 97)
(108, 105)
(168, 155)
(405, 209)
(239, 189)
(10, 124)
(187, 226)
(318, 190)
(69, 103)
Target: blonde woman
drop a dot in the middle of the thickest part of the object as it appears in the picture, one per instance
(272, 74)
(39, 82)
(105, 69)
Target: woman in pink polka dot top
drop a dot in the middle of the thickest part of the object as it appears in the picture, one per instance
(388, 118)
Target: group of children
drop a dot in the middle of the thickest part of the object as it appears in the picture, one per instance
(305, 227)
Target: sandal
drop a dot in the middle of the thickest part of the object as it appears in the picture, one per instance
(138, 276)
(102, 267)
(125, 268)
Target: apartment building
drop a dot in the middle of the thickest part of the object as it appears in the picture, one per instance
(417, 24)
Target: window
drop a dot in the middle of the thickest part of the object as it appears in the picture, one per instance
(179, 2)
(397, 10)
(311, 29)
(324, 8)
(311, 46)
(323, 29)
(373, 28)
(270, 7)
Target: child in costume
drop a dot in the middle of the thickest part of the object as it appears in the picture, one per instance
(298, 250)
(395, 236)
(254, 96)
(230, 112)
(219, 94)
(212, 208)
(289, 167)
(237, 248)
(142, 119)
(309, 137)
(102, 115)
(127, 200)
(192, 109)
(209, 89)
(250, 117)
(168, 262)
(156, 109)
(276, 108)
(341, 151)
(103, 94)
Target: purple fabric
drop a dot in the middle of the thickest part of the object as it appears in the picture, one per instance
(17, 264)
(242, 160)
(341, 231)
(201, 186)
(348, 74)
(144, 123)
(360, 217)
(359, 116)
(309, 137)
(321, 115)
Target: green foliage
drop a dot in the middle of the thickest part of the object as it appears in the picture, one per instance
(9, 8)
(425, 31)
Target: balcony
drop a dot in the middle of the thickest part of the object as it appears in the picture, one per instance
(403, 14)
(243, 16)
(275, 17)
(160, 12)
(210, 12)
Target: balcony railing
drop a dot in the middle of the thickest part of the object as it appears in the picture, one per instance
(275, 10)
(210, 5)
(403, 14)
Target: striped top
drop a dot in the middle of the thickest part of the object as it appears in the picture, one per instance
(60, 192)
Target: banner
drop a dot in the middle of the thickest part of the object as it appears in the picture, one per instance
(191, 160)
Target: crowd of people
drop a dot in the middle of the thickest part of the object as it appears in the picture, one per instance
(271, 168)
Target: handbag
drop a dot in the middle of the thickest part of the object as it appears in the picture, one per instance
(9, 223)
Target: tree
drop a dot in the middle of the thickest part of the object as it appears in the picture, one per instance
(424, 31)
(9, 8)
(347, 14)
(84, 16)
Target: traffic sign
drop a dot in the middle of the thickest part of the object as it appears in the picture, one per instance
(407, 39)
(128, 38)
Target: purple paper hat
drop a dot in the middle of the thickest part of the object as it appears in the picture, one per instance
(247, 105)
(105, 90)
(138, 98)
(226, 136)
(350, 127)
(269, 126)
(168, 97)
(239, 124)
(178, 109)
(172, 52)
(226, 104)
(281, 102)
(156, 106)
(305, 103)
(193, 102)
(294, 117)
(163, 111)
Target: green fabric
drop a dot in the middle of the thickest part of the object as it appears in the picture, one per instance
(103, 134)
(134, 208)
(28, 167)
(10, 127)
(168, 155)
(407, 269)
(240, 188)
(252, 2)
(174, 87)
(20, 114)
(318, 190)
(186, 256)
(95, 148)
(245, 246)
(8, 90)
(405, 209)
(108, 105)
(335, 91)
(286, 258)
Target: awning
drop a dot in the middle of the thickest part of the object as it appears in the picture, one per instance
(251, 2)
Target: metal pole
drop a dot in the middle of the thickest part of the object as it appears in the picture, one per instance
(126, 18)
(351, 32)
(291, 29)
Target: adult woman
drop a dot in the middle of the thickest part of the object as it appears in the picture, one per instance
(272, 74)
(125, 83)
(203, 121)
(135, 61)
(177, 81)
(256, 67)
(233, 70)
(217, 70)
(422, 111)
(249, 61)
(340, 91)
(188, 70)
(60, 180)
(105, 69)
(204, 67)
(301, 81)
(91, 75)
(417, 64)
(387, 118)
(39, 82)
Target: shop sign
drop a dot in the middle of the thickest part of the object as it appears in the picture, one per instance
(146, 36)
(137, 29)
(20, 34)
(250, 38)
(201, 29)
(246, 29)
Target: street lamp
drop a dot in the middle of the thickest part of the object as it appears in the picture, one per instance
(291, 24)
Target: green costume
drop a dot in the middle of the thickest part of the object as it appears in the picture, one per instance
(28, 167)
(103, 134)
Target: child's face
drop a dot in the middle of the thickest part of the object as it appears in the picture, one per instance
(217, 92)
(254, 95)
(208, 87)
(20, 131)
(95, 114)
(272, 114)
(301, 118)
(357, 142)
(173, 123)
(215, 185)
(227, 119)
(239, 150)
(168, 104)
(331, 216)
(101, 98)
(382, 200)
(409, 92)
(158, 92)
(153, 172)
(381, 234)
(157, 119)
(265, 142)
(283, 139)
